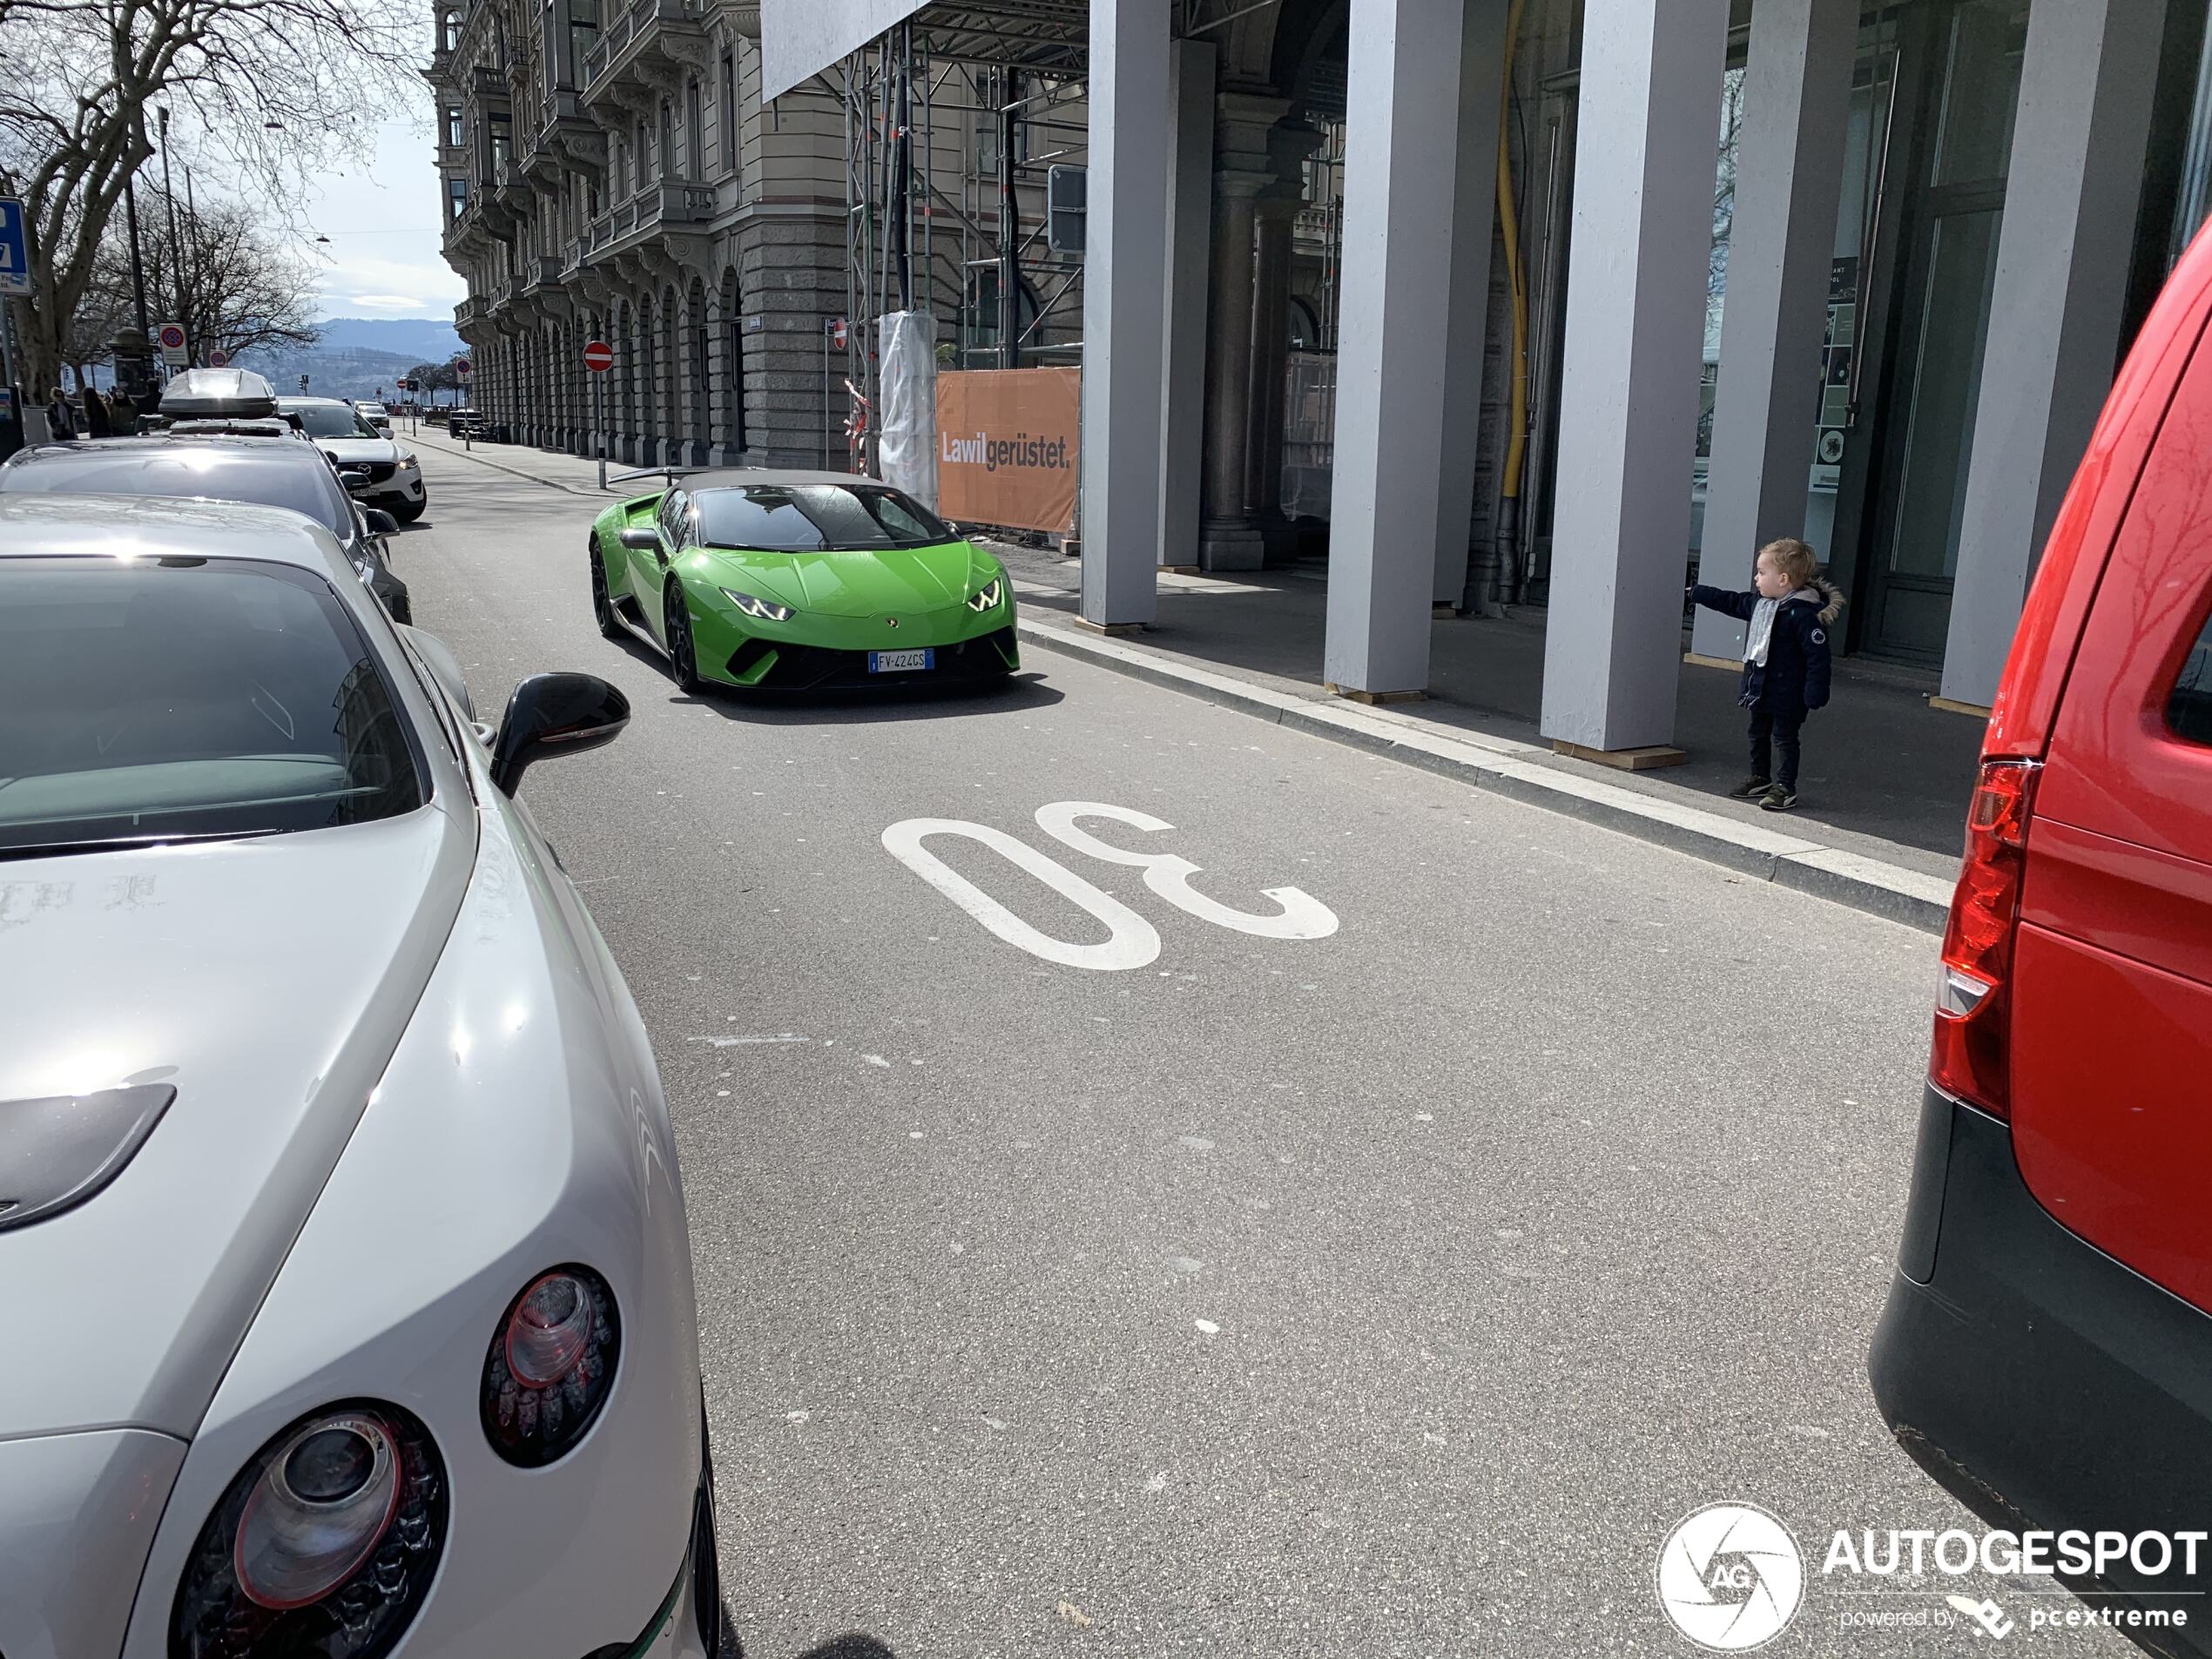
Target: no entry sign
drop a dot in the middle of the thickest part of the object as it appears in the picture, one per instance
(598, 356)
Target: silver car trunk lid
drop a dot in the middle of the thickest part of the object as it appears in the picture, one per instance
(265, 983)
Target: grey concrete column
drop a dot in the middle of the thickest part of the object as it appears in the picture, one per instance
(1124, 311)
(1183, 376)
(1228, 540)
(2062, 255)
(1642, 231)
(1789, 180)
(1474, 203)
(1418, 90)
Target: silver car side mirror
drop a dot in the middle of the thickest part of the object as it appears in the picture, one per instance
(638, 539)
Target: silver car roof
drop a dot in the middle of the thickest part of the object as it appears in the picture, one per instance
(40, 525)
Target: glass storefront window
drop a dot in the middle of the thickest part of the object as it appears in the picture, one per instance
(1946, 383)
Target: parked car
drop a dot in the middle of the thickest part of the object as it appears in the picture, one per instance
(394, 479)
(344, 1217)
(378, 417)
(2046, 1348)
(215, 460)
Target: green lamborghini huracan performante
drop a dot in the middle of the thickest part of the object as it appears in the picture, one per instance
(799, 581)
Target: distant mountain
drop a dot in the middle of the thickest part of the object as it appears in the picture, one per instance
(331, 372)
(356, 356)
(419, 340)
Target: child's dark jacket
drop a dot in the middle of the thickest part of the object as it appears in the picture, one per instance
(1794, 679)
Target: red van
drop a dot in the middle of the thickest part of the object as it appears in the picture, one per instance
(2047, 1349)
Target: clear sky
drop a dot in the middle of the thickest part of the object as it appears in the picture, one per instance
(382, 219)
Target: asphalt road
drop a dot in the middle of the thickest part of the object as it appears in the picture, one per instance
(1392, 1292)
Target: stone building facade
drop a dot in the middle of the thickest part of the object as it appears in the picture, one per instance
(608, 171)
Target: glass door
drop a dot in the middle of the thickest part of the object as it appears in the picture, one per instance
(1968, 85)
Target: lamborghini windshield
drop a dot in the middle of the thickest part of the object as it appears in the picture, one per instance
(814, 518)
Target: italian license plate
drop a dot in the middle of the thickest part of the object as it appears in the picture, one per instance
(901, 662)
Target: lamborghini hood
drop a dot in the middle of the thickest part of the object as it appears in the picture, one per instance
(899, 582)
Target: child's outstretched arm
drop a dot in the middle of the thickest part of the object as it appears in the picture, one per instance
(1739, 605)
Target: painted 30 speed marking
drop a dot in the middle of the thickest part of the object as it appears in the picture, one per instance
(1131, 942)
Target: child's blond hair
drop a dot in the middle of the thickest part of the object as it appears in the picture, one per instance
(1793, 558)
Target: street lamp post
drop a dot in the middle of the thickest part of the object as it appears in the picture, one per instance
(176, 254)
(138, 277)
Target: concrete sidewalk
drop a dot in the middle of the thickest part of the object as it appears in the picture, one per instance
(1886, 777)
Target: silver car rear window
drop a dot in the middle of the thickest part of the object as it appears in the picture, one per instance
(163, 699)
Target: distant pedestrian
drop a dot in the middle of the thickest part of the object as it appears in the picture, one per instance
(1791, 607)
(96, 423)
(57, 416)
(122, 413)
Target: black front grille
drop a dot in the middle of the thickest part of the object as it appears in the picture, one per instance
(380, 471)
(814, 668)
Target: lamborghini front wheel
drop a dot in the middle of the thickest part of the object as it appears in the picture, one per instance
(602, 604)
(682, 654)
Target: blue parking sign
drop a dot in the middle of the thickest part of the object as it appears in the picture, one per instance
(15, 248)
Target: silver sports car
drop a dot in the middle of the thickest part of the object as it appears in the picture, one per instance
(348, 1292)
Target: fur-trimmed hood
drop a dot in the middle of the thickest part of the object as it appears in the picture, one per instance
(1833, 600)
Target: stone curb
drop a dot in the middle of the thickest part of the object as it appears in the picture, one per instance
(1512, 769)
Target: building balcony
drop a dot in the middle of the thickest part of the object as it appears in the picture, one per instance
(496, 204)
(645, 50)
(539, 166)
(466, 237)
(538, 276)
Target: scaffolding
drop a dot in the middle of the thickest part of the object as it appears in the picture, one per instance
(990, 96)
(979, 101)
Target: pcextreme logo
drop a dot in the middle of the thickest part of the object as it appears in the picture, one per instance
(1730, 1577)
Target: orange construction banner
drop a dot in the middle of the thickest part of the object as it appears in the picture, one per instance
(1008, 442)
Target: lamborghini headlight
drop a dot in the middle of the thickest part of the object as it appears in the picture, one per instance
(987, 597)
(767, 610)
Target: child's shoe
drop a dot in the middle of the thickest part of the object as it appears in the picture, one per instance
(1777, 798)
(1750, 789)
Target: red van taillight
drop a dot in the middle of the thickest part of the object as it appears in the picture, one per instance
(1972, 1021)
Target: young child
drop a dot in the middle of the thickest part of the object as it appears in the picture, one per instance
(1791, 607)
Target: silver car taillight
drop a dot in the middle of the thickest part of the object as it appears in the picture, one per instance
(322, 1546)
(550, 1367)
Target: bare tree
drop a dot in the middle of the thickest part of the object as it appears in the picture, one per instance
(241, 286)
(270, 90)
(434, 378)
